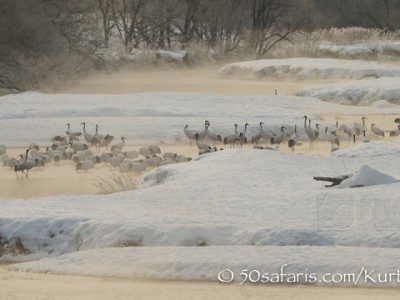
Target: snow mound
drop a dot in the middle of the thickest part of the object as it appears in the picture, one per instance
(383, 104)
(381, 92)
(307, 69)
(228, 198)
(365, 176)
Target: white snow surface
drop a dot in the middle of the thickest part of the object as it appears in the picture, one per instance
(358, 92)
(365, 176)
(236, 209)
(155, 118)
(237, 204)
(150, 55)
(205, 263)
(308, 69)
(370, 151)
(368, 49)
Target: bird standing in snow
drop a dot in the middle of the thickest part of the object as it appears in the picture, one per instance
(344, 128)
(377, 131)
(278, 138)
(315, 132)
(74, 136)
(203, 133)
(25, 165)
(233, 138)
(106, 141)
(311, 132)
(359, 128)
(395, 132)
(364, 138)
(189, 133)
(215, 138)
(88, 137)
(333, 139)
(293, 139)
(256, 138)
(119, 145)
(201, 146)
(308, 130)
(97, 138)
(243, 138)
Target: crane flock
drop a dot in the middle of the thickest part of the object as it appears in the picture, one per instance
(86, 150)
(356, 131)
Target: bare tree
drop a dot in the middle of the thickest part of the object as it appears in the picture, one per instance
(224, 23)
(42, 41)
(24, 40)
(146, 23)
(189, 23)
(381, 14)
(272, 21)
(105, 7)
(131, 21)
(164, 15)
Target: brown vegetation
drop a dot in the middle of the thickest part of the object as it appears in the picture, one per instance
(47, 41)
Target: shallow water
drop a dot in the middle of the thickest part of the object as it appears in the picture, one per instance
(193, 80)
(63, 179)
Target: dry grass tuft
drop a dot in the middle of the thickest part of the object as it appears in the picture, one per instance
(116, 182)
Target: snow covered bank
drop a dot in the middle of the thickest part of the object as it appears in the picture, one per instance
(155, 118)
(193, 215)
(371, 151)
(308, 69)
(205, 263)
(359, 50)
(153, 58)
(241, 202)
(360, 92)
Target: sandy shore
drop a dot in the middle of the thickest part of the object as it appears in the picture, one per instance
(21, 286)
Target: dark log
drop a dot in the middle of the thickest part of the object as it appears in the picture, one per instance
(333, 180)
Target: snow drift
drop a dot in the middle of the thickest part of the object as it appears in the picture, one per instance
(308, 69)
(360, 92)
(365, 176)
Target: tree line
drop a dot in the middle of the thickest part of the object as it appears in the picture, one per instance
(42, 41)
(224, 25)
